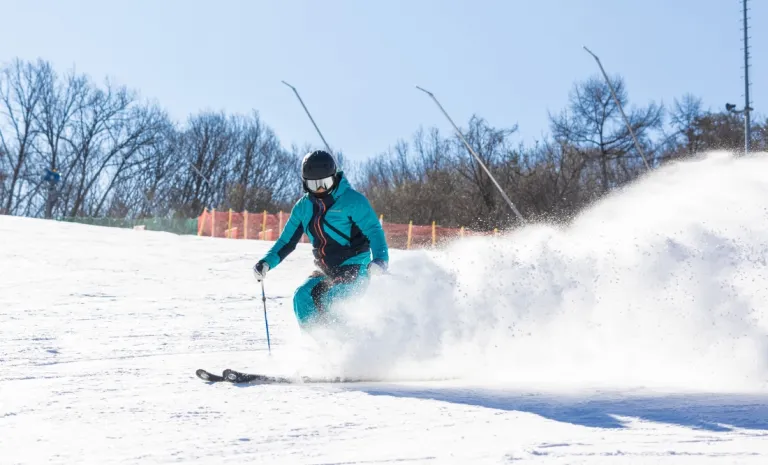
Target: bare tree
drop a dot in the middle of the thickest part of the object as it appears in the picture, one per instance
(432, 178)
(551, 181)
(491, 145)
(21, 87)
(141, 187)
(685, 137)
(594, 125)
(207, 147)
(259, 167)
(59, 103)
(123, 158)
(109, 131)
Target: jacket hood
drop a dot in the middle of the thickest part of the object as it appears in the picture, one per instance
(342, 187)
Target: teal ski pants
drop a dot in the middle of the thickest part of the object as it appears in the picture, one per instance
(313, 300)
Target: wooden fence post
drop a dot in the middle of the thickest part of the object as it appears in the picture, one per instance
(410, 228)
(229, 224)
(201, 222)
(434, 233)
(264, 226)
(245, 224)
(213, 222)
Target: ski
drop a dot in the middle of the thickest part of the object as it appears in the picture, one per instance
(237, 377)
(208, 376)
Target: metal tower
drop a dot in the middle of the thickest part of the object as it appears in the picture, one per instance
(747, 109)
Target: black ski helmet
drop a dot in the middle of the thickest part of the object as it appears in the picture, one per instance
(318, 165)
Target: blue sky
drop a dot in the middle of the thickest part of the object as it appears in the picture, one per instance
(356, 63)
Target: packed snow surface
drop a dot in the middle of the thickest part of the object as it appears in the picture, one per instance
(637, 333)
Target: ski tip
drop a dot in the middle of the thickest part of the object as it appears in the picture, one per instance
(206, 376)
(230, 376)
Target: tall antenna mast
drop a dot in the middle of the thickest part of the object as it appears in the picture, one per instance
(747, 109)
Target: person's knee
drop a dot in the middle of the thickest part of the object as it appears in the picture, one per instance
(305, 302)
(303, 306)
(302, 293)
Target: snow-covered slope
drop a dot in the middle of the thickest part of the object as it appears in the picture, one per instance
(636, 335)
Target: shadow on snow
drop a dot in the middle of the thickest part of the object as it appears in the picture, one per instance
(711, 412)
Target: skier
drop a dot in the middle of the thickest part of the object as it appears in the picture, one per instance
(347, 239)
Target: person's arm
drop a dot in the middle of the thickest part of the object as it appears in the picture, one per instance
(365, 217)
(288, 239)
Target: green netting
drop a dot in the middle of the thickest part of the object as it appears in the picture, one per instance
(172, 225)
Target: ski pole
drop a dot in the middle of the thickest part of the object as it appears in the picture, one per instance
(266, 323)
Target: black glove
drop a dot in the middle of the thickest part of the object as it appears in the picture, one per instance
(260, 270)
(377, 267)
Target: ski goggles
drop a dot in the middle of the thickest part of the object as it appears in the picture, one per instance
(315, 184)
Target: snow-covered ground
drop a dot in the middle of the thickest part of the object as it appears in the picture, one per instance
(637, 335)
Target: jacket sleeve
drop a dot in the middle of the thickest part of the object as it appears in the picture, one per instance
(288, 239)
(365, 217)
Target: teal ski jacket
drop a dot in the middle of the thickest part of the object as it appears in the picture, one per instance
(342, 228)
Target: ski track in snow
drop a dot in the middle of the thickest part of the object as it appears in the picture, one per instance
(101, 330)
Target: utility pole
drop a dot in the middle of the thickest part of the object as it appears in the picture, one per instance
(747, 109)
(731, 107)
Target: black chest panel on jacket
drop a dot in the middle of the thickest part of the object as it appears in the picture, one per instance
(330, 254)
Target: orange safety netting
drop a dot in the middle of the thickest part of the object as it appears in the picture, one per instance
(268, 226)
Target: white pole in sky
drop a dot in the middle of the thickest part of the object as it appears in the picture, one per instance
(469, 147)
(310, 116)
(618, 104)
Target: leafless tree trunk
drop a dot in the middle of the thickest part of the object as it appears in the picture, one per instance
(20, 93)
(109, 130)
(594, 125)
(207, 147)
(59, 103)
(491, 145)
(260, 167)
